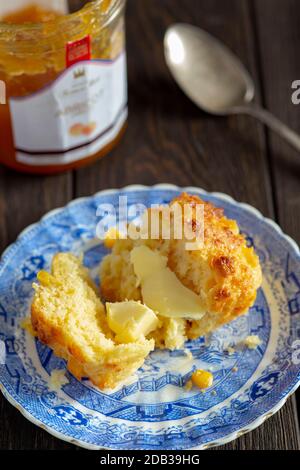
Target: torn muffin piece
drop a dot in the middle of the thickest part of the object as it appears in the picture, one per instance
(68, 316)
(224, 273)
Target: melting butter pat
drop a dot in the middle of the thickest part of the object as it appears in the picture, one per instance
(130, 320)
(161, 290)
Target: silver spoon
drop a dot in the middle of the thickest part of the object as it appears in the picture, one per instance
(214, 78)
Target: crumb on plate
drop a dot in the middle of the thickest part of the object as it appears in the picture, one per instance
(188, 354)
(229, 350)
(202, 379)
(57, 379)
(252, 341)
(188, 386)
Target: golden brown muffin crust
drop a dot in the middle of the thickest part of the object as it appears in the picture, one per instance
(224, 271)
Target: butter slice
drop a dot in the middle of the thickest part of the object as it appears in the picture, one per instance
(130, 320)
(161, 290)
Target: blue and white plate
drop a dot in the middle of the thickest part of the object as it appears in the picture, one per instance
(154, 410)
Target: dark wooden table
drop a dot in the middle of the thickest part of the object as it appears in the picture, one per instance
(170, 140)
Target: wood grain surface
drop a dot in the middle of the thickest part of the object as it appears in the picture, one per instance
(169, 140)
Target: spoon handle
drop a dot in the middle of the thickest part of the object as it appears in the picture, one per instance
(275, 124)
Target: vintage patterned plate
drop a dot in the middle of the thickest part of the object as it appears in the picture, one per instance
(154, 410)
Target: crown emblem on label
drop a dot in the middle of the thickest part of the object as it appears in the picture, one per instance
(79, 73)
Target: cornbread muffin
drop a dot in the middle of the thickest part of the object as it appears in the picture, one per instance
(68, 316)
(223, 272)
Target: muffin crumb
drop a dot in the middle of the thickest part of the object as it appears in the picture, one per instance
(57, 380)
(252, 341)
(188, 386)
(229, 350)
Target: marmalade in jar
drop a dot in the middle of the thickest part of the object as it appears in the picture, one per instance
(66, 83)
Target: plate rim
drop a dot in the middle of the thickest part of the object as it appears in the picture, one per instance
(139, 187)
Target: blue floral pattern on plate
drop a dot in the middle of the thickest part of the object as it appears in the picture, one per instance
(154, 410)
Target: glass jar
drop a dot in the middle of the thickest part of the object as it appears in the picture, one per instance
(64, 70)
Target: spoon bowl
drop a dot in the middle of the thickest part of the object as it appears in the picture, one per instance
(206, 70)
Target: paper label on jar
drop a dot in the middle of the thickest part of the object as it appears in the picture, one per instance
(74, 117)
